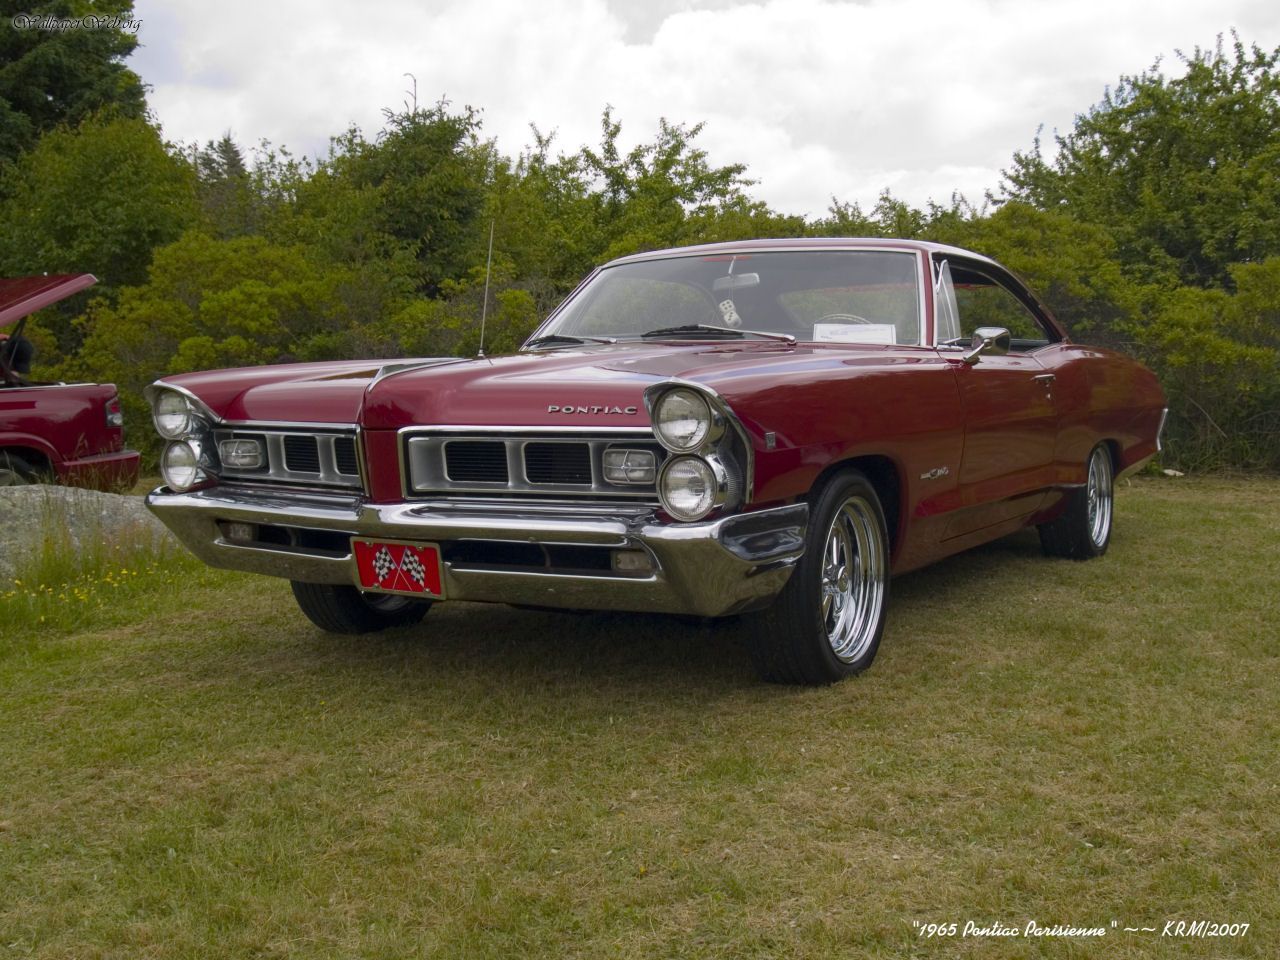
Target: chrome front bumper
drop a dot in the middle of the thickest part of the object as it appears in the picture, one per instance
(710, 568)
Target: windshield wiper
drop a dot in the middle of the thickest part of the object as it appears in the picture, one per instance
(560, 338)
(703, 329)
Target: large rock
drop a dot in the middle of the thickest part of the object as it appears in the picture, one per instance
(71, 519)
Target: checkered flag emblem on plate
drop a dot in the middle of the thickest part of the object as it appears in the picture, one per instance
(384, 565)
(413, 567)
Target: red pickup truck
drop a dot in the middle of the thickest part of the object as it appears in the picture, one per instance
(71, 432)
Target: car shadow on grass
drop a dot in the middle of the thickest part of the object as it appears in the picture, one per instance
(532, 647)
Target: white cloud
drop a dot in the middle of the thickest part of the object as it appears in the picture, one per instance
(818, 98)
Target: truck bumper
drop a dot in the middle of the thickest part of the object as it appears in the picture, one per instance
(107, 471)
(616, 557)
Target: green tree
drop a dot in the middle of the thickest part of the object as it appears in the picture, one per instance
(1182, 171)
(226, 190)
(241, 301)
(53, 77)
(95, 200)
(660, 194)
(419, 188)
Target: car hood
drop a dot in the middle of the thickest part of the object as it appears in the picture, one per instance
(20, 296)
(593, 386)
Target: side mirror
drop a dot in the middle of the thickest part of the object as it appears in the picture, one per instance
(987, 341)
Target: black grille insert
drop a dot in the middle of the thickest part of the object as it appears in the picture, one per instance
(476, 461)
(558, 463)
(301, 454)
(344, 455)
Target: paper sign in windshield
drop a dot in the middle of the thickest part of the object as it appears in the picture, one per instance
(855, 333)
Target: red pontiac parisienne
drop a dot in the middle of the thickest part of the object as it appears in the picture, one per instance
(767, 428)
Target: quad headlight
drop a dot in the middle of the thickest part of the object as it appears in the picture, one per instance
(688, 488)
(180, 465)
(172, 414)
(683, 421)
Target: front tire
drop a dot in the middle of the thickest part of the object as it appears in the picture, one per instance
(342, 609)
(1083, 530)
(827, 622)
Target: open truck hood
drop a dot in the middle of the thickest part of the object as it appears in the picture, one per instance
(20, 296)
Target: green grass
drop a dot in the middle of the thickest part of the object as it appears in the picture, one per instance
(201, 773)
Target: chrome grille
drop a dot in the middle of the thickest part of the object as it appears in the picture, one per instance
(301, 454)
(344, 456)
(527, 463)
(297, 456)
(476, 461)
(558, 462)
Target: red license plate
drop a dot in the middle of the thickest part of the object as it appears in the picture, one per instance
(396, 566)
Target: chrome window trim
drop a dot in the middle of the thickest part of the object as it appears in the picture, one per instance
(1010, 284)
(921, 258)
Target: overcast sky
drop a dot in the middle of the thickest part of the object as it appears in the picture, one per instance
(819, 98)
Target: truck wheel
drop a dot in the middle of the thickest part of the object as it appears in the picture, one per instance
(15, 471)
(1083, 530)
(827, 622)
(342, 609)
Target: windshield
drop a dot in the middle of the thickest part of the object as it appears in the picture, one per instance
(838, 296)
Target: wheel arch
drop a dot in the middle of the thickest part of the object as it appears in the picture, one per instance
(32, 456)
(885, 478)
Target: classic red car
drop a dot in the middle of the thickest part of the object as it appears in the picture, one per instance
(768, 428)
(70, 432)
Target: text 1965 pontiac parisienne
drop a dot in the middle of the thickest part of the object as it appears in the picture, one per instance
(769, 428)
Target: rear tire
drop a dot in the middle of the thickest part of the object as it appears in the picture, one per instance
(827, 622)
(1083, 530)
(342, 609)
(16, 472)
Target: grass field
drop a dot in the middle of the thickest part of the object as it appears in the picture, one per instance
(189, 769)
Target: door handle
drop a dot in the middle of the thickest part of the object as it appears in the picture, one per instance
(1045, 378)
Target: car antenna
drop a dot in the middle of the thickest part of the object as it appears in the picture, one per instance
(484, 307)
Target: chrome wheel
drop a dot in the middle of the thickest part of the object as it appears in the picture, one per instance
(853, 579)
(1099, 495)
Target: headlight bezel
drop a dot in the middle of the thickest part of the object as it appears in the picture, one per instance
(724, 448)
(181, 419)
(711, 422)
(198, 420)
(192, 425)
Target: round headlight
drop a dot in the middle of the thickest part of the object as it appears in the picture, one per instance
(688, 488)
(682, 420)
(180, 465)
(172, 415)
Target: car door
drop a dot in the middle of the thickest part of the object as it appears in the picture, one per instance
(1007, 403)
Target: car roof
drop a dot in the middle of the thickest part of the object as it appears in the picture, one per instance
(803, 243)
(20, 296)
